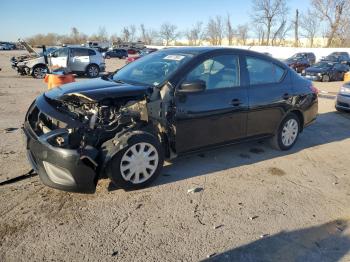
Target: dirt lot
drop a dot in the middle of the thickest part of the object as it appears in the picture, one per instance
(257, 204)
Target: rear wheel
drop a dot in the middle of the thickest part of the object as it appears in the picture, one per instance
(287, 134)
(39, 71)
(325, 78)
(137, 165)
(92, 71)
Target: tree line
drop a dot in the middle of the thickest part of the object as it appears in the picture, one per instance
(272, 22)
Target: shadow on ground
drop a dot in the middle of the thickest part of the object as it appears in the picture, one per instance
(323, 243)
(330, 127)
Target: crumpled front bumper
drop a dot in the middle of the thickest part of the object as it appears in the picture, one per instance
(60, 168)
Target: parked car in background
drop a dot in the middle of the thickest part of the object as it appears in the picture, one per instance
(142, 53)
(79, 60)
(132, 51)
(298, 63)
(338, 58)
(343, 98)
(326, 71)
(309, 56)
(119, 53)
(345, 54)
(167, 104)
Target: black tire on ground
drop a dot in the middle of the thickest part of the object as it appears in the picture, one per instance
(139, 141)
(39, 71)
(280, 143)
(92, 71)
(326, 78)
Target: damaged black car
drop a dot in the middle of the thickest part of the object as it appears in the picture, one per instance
(169, 103)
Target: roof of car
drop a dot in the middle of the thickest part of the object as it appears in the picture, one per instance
(206, 49)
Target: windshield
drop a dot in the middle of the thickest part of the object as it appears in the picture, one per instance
(322, 65)
(297, 56)
(332, 58)
(152, 69)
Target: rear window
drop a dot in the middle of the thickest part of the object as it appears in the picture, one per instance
(263, 72)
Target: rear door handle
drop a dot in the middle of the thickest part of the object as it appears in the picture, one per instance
(286, 96)
(236, 102)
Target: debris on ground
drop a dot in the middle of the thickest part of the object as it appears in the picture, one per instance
(218, 226)
(211, 255)
(264, 235)
(253, 217)
(195, 190)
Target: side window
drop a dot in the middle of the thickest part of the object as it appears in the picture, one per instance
(263, 72)
(80, 52)
(62, 52)
(91, 52)
(217, 72)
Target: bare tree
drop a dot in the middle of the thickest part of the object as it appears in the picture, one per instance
(132, 31)
(268, 13)
(229, 30)
(242, 34)
(215, 31)
(309, 24)
(280, 34)
(168, 33)
(333, 12)
(126, 34)
(195, 34)
(296, 28)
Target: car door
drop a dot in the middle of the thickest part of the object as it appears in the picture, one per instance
(270, 95)
(59, 59)
(216, 115)
(79, 59)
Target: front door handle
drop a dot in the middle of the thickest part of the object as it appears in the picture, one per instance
(286, 96)
(236, 102)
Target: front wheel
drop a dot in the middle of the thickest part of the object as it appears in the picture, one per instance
(137, 165)
(39, 71)
(326, 78)
(92, 71)
(287, 134)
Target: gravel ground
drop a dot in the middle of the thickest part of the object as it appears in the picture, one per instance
(255, 203)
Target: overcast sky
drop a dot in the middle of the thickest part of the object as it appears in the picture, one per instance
(20, 19)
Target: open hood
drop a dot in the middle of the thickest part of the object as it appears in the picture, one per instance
(28, 48)
(96, 90)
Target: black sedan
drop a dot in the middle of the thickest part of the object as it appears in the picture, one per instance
(119, 53)
(163, 105)
(326, 71)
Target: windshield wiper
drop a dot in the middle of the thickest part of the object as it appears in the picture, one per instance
(119, 81)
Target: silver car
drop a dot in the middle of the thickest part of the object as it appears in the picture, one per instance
(79, 60)
(343, 98)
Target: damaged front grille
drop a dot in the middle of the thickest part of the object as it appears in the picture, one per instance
(42, 123)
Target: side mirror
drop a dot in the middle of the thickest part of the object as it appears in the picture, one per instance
(192, 87)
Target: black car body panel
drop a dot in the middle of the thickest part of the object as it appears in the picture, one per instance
(96, 90)
(74, 130)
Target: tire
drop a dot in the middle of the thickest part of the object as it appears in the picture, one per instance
(92, 71)
(108, 57)
(39, 71)
(130, 173)
(326, 78)
(287, 134)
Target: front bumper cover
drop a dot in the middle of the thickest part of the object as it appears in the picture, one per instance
(60, 168)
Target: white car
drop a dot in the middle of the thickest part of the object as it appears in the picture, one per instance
(79, 60)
